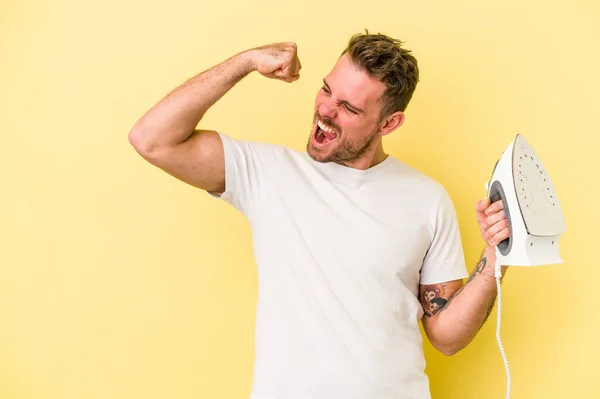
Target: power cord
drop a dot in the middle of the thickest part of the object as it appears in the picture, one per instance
(498, 275)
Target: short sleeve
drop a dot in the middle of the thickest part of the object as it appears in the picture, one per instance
(445, 259)
(248, 167)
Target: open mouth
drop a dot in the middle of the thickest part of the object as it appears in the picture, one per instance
(323, 134)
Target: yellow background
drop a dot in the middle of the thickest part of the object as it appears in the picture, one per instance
(119, 282)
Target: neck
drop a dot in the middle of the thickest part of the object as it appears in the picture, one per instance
(369, 159)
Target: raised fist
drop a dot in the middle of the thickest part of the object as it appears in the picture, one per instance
(278, 61)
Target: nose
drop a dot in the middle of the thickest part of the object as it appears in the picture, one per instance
(327, 109)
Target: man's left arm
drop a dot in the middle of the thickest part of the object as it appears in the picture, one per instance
(454, 312)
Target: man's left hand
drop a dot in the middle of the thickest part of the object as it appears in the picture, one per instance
(492, 220)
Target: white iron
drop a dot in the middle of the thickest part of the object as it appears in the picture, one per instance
(534, 214)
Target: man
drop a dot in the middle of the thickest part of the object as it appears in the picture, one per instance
(347, 238)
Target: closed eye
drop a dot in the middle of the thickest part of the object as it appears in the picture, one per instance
(345, 104)
(350, 110)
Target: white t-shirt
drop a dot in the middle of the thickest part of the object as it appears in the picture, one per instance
(340, 253)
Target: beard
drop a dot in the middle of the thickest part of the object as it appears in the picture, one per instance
(342, 150)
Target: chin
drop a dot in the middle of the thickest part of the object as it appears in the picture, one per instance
(318, 154)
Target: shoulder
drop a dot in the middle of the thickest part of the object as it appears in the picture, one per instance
(255, 150)
(408, 176)
(426, 196)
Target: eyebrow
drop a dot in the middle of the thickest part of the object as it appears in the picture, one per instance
(343, 101)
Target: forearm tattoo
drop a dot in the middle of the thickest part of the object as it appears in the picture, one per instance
(433, 296)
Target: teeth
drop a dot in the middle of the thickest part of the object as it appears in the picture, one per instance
(325, 128)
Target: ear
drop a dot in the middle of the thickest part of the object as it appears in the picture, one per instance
(391, 123)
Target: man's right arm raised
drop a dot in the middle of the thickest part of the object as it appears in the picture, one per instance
(166, 135)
